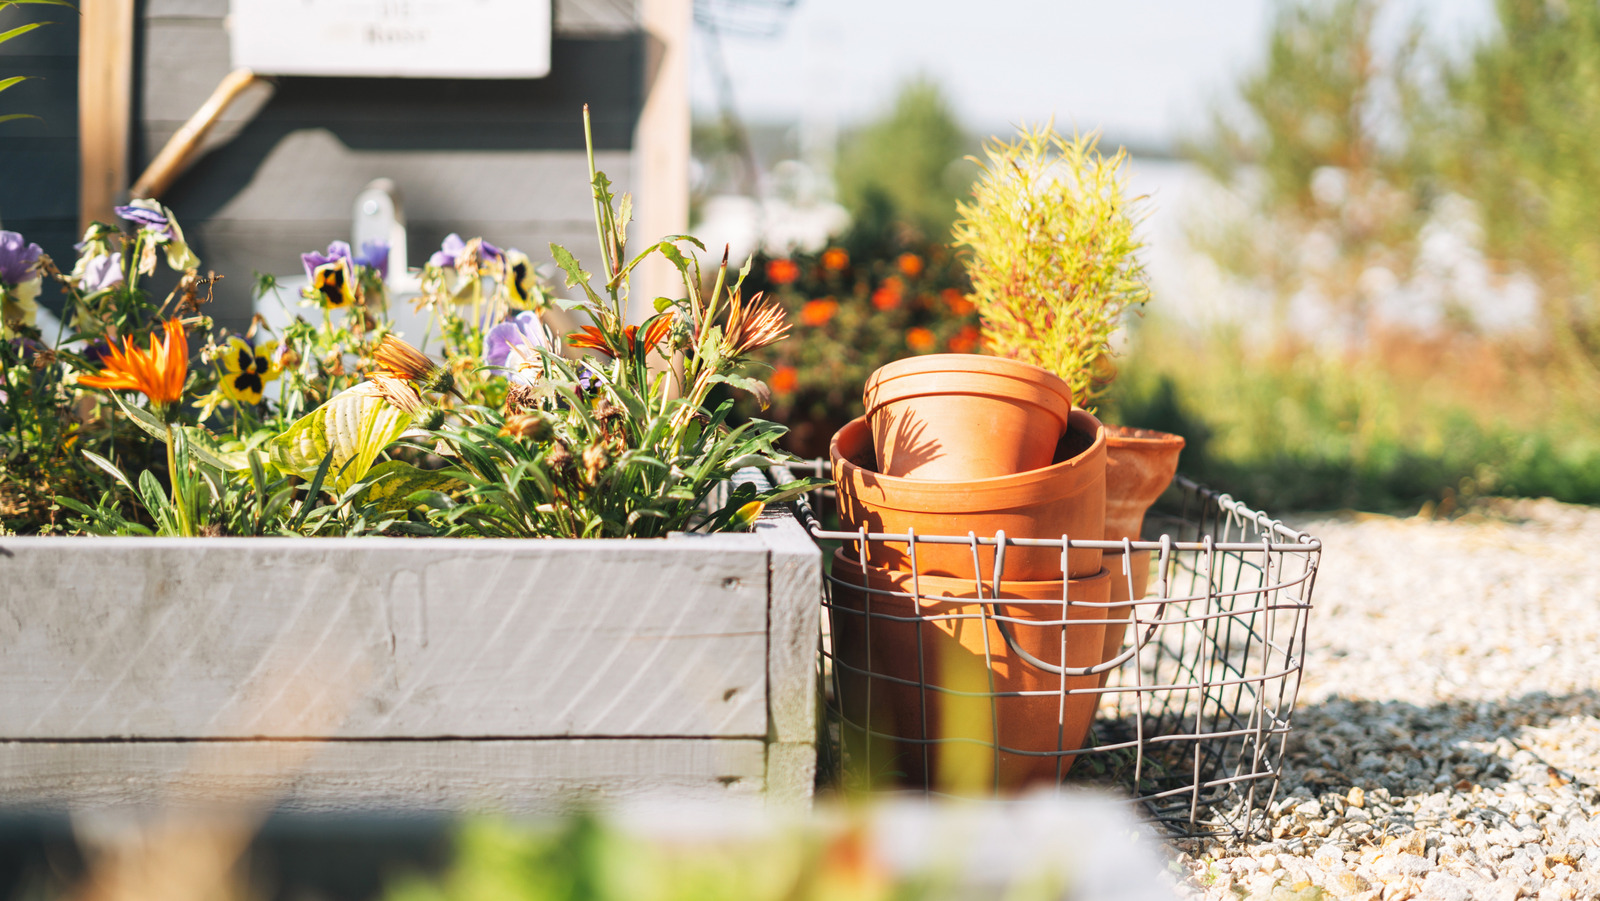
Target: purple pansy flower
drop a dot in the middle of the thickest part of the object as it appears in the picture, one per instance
(338, 250)
(514, 346)
(101, 272)
(448, 252)
(375, 255)
(487, 251)
(18, 258)
(147, 218)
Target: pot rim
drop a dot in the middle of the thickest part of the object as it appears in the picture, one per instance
(976, 495)
(1133, 438)
(998, 377)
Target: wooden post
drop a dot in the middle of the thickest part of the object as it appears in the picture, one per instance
(661, 147)
(105, 94)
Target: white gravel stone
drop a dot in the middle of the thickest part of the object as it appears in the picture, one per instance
(1446, 741)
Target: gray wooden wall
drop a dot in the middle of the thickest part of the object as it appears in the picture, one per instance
(39, 157)
(501, 158)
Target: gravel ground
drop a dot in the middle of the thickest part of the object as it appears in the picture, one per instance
(1447, 741)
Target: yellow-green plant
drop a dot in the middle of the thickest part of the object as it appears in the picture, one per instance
(1053, 254)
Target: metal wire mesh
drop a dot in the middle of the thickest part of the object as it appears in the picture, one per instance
(988, 686)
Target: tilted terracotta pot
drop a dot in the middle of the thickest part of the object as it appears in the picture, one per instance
(943, 738)
(960, 417)
(1064, 498)
(1120, 596)
(1140, 464)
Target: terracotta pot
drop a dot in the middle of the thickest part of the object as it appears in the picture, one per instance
(944, 739)
(1140, 464)
(1064, 498)
(1120, 595)
(960, 417)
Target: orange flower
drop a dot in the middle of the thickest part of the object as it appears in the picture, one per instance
(818, 312)
(920, 340)
(834, 259)
(910, 264)
(652, 335)
(785, 379)
(888, 295)
(782, 272)
(958, 302)
(964, 341)
(158, 372)
(592, 338)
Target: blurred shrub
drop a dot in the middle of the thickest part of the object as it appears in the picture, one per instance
(1401, 424)
(869, 300)
(1520, 143)
(906, 168)
(1330, 189)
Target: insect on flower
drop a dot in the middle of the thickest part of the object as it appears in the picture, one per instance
(159, 373)
(246, 370)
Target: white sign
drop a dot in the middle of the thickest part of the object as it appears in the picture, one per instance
(408, 38)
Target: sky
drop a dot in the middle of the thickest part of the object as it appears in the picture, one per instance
(1144, 71)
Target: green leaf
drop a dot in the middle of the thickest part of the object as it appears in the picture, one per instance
(662, 304)
(108, 466)
(393, 485)
(351, 429)
(8, 82)
(143, 418)
(8, 117)
(576, 276)
(21, 30)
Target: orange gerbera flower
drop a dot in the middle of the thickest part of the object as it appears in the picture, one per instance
(657, 330)
(835, 259)
(592, 338)
(920, 340)
(818, 312)
(782, 272)
(158, 372)
(910, 264)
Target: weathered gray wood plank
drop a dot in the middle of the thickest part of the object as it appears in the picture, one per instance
(258, 637)
(515, 777)
(795, 580)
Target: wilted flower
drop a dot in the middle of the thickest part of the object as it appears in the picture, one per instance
(374, 255)
(158, 372)
(246, 369)
(398, 392)
(402, 361)
(753, 325)
(524, 425)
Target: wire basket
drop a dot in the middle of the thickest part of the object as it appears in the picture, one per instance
(989, 687)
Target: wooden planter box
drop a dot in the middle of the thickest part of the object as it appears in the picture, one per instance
(407, 674)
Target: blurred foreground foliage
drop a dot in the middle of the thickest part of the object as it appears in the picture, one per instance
(1344, 152)
(584, 859)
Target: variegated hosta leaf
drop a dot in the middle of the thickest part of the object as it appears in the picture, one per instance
(355, 424)
(398, 481)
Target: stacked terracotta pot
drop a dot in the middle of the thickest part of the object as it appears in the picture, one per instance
(953, 445)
